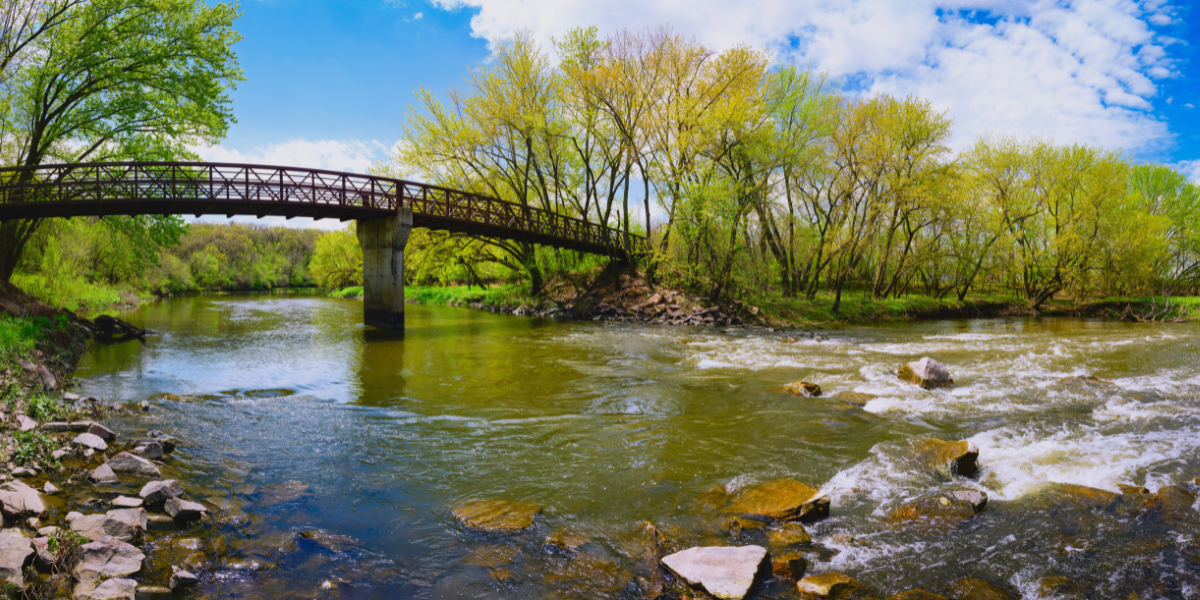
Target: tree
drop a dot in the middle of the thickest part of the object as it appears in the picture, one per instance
(113, 80)
(337, 261)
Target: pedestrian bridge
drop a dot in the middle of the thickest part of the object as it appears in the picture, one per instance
(386, 209)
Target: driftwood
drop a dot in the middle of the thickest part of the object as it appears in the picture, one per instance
(1169, 312)
(109, 327)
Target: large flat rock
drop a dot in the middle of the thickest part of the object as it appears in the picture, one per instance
(724, 572)
(15, 552)
(497, 516)
(19, 500)
(779, 500)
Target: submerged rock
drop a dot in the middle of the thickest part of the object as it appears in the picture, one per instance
(803, 389)
(779, 500)
(565, 539)
(1132, 489)
(1067, 495)
(927, 373)
(284, 492)
(789, 534)
(948, 458)
(855, 398)
(15, 553)
(133, 465)
(789, 565)
(724, 572)
(825, 585)
(19, 500)
(977, 499)
(497, 516)
(942, 508)
(973, 588)
(916, 594)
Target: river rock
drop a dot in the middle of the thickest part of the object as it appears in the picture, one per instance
(91, 440)
(149, 450)
(977, 499)
(284, 492)
(973, 588)
(103, 474)
(102, 432)
(789, 565)
(49, 488)
(109, 589)
(1132, 489)
(127, 502)
(166, 441)
(779, 500)
(788, 534)
(75, 426)
(495, 515)
(825, 585)
(15, 552)
(803, 389)
(184, 510)
(158, 492)
(134, 465)
(1066, 495)
(942, 508)
(122, 524)
(103, 559)
(19, 500)
(43, 557)
(948, 458)
(24, 472)
(927, 373)
(855, 398)
(24, 423)
(181, 579)
(916, 594)
(724, 572)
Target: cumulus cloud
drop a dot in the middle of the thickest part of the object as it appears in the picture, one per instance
(1078, 71)
(1191, 168)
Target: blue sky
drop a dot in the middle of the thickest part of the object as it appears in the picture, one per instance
(328, 84)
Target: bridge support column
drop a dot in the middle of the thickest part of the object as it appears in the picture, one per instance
(382, 242)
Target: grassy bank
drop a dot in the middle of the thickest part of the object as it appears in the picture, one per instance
(862, 309)
(78, 295)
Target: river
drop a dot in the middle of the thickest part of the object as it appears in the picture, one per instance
(607, 426)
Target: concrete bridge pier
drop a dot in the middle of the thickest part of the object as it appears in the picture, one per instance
(382, 242)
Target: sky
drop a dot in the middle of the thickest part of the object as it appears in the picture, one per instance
(329, 84)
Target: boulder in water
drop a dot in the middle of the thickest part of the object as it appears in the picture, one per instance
(105, 558)
(103, 474)
(110, 589)
(158, 492)
(855, 398)
(916, 594)
(497, 516)
(184, 510)
(724, 572)
(19, 500)
(91, 440)
(102, 432)
(1067, 495)
(973, 588)
(803, 389)
(788, 534)
(948, 458)
(927, 373)
(181, 579)
(977, 499)
(789, 565)
(1132, 489)
(826, 585)
(779, 500)
(942, 508)
(134, 465)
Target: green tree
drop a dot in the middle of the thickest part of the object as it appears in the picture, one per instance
(337, 261)
(112, 80)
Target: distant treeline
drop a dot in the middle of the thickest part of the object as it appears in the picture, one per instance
(72, 252)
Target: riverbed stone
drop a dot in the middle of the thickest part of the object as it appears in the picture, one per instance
(102, 432)
(184, 510)
(803, 389)
(498, 516)
(181, 579)
(109, 589)
(127, 502)
(1066, 495)
(789, 565)
(133, 465)
(149, 450)
(724, 572)
(50, 488)
(976, 498)
(103, 474)
(284, 492)
(43, 557)
(855, 398)
(973, 588)
(24, 472)
(566, 539)
(948, 458)
(926, 373)
(940, 508)
(825, 585)
(779, 500)
(916, 594)
(106, 558)
(15, 552)
(788, 534)
(74, 426)
(158, 492)
(24, 423)
(1132, 489)
(17, 499)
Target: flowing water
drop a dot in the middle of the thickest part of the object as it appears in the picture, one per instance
(608, 426)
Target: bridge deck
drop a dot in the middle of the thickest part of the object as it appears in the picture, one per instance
(192, 188)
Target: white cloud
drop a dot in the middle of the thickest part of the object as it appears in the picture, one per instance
(1080, 71)
(1191, 168)
(353, 156)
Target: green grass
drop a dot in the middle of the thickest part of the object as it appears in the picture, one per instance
(856, 308)
(507, 295)
(355, 291)
(76, 295)
(18, 335)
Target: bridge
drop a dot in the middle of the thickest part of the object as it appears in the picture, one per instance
(386, 209)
